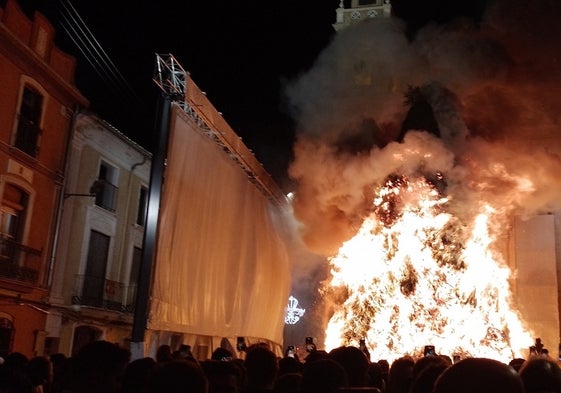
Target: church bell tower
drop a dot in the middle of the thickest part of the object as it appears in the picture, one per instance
(360, 10)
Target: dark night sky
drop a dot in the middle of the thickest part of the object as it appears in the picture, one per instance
(240, 53)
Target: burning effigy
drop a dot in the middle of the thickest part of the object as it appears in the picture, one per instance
(415, 274)
(409, 176)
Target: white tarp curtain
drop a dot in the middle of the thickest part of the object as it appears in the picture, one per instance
(222, 267)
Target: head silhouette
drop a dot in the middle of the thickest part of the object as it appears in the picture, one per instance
(177, 376)
(400, 375)
(354, 362)
(479, 375)
(323, 375)
(540, 374)
(99, 366)
(261, 367)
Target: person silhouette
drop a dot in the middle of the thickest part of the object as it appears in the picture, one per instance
(99, 367)
(479, 375)
(540, 374)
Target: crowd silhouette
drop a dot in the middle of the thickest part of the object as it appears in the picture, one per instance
(101, 366)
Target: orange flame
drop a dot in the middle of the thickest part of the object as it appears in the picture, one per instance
(415, 275)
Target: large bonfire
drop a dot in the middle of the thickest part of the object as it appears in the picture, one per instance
(415, 275)
(413, 220)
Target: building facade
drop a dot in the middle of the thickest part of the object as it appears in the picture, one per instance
(100, 241)
(37, 101)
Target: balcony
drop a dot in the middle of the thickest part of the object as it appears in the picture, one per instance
(102, 293)
(19, 262)
(105, 194)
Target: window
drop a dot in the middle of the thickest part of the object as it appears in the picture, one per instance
(6, 335)
(12, 212)
(366, 2)
(93, 282)
(17, 261)
(29, 121)
(105, 189)
(142, 206)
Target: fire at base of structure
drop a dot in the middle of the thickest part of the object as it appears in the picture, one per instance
(415, 274)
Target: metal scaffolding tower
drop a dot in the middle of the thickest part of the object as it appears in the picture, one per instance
(170, 77)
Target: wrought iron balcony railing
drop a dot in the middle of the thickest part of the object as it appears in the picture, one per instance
(102, 293)
(105, 194)
(18, 261)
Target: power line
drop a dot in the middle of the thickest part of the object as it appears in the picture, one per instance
(91, 49)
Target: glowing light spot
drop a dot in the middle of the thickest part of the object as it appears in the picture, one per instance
(293, 312)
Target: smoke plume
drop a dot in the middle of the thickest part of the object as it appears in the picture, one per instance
(494, 90)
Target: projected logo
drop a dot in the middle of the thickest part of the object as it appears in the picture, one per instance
(293, 312)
